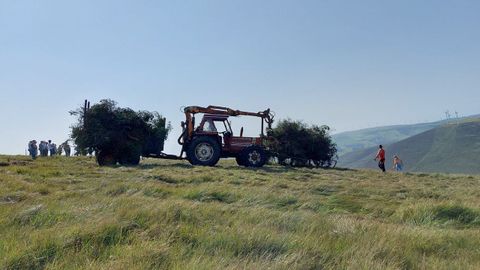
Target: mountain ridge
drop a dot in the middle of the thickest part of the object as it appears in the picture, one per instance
(450, 148)
(355, 140)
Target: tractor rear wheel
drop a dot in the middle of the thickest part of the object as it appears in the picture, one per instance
(204, 151)
(106, 158)
(254, 156)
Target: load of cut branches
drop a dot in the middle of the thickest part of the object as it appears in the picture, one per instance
(118, 134)
(298, 144)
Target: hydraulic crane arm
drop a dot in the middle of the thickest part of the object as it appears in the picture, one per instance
(225, 111)
(190, 111)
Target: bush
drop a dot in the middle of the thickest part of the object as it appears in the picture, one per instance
(106, 126)
(298, 144)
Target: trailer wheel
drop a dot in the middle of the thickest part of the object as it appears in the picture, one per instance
(254, 156)
(204, 151)
(130, 159)
(106, 158)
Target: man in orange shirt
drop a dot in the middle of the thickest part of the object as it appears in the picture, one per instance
(381, 158)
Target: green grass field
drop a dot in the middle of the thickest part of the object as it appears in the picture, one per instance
(68, 213)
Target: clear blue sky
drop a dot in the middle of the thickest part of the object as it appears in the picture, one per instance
(348, 64)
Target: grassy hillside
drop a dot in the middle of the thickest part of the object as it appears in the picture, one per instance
(70, 214)
(365, 138)
(453, 148)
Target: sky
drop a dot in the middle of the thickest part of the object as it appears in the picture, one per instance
(346, 64)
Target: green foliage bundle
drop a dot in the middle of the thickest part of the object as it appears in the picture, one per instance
(106, 126)
(298, 144)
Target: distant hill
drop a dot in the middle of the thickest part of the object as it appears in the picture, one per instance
(361, 139)
(450, 148)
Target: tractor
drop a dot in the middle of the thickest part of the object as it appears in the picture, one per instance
(213, 138)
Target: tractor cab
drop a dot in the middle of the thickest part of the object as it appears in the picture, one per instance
(219, 126)
(212, 123)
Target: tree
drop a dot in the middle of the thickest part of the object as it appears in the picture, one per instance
(298, 144)
(120, 133)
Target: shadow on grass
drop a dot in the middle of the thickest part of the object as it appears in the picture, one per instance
(283, 169)
(341, 169)
(267, 169)
(174, 165)
(211, 196)
(454, 216)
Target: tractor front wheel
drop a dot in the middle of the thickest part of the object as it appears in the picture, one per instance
(204, 151)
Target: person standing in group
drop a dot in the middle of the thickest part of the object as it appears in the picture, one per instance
(40, 148)
(60, 149)
(67, 148)
(397, 163)
(43, 148)
(52, 147)
(381, 158)
(33, 149)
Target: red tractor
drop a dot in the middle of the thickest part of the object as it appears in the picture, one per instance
(213, 138)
